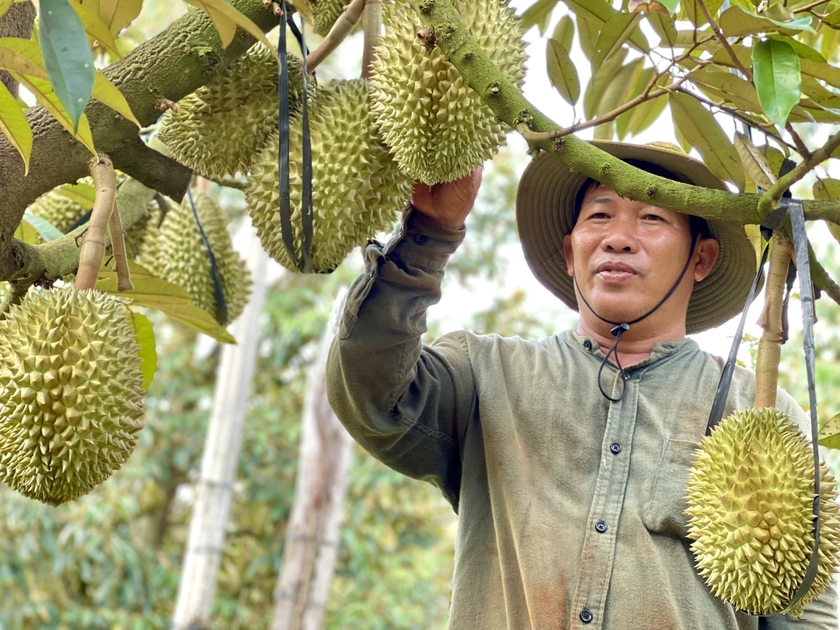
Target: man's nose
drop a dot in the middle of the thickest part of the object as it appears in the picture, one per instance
(621, 236)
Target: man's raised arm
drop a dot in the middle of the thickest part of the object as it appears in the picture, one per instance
(406, 404)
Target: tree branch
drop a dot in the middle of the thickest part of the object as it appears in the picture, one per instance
(508, 104)
(720, 37)
(820, 277)
(17, 22)
(153, 169)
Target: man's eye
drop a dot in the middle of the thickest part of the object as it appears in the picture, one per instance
(654, 217)
(599, 215)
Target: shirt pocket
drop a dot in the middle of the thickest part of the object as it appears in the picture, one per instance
(665, 513)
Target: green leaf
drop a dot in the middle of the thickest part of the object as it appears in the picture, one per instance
(601, 79)
(826, 188)
(537, 15)
(694, 12)
(117, 14)
(727, 87)
(665, 28)
(616, 31)
(587, 35)
(806, 52)
(777, 79)
(166, 297)
(735, 22)
(148, 352)
(14, 126)
(637, 83)
(642, 116)
(46, 230)
(82, 194)
(5, 5)
(671, 5)
(96, 28)
(826, 72)
(108, 94)
(564, 32)
(67, 57)
(829, 433)
(26, 233)
(562, 72)
(754, 162)
(225, 18)
(704, 133)
(598, 12)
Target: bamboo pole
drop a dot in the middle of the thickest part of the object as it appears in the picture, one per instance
(770, 344)
(214, 490)
(93, 246)
(312, 534)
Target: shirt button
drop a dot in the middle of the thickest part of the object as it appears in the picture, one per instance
(600, 527)
(587, 344)
(615, 448)
(420, 238)
(585, 616)
(626, 376)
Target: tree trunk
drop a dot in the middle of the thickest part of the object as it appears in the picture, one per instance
(312, 535)
(214, 489)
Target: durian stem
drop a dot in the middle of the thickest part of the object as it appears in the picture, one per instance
(93, 247)
(12, 297)
(118, 247)
(770, 344)
(373, 26)
(342, 27)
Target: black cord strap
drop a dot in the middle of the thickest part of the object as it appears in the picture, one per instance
(806, 297)
(218, 290)
(622, 327)
(286, 228)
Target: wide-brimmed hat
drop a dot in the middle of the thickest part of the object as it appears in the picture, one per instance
(545, 214)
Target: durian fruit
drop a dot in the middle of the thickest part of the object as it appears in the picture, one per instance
(357, 188)
(436, 125)
(326, 13)
(177, 253)
(750, 495)
(217, 129)
(58, 209)
(71, 391)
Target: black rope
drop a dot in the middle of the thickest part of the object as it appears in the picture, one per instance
(218, 291)
(306, 184)
(622, 327)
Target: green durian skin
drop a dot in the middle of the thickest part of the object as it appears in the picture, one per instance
(357, 188)
(326, 13)
(437, 127)
(217, 129)
(750, 495)
(176, 253)
(72, 392)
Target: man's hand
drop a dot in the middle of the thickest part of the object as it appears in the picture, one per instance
(448, 203)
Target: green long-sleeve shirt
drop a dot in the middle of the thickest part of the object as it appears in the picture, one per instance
(570, 507)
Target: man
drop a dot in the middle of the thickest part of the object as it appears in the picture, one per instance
(566, 458)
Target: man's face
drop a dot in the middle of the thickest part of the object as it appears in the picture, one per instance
(626, 255)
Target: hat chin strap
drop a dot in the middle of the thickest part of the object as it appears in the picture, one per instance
(619, 328)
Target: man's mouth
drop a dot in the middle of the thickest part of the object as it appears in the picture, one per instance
(614, 271)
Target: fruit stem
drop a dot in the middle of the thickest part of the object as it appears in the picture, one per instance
(770, 344)
(93, 247)
(342, 27)
(118, 247)
(372, 27)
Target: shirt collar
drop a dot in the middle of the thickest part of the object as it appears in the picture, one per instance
(661, 349)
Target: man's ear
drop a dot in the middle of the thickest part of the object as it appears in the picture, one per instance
(567, 254)
(707, 251)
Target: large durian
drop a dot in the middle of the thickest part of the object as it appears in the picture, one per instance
(357, 188)
(750, 495)
(217, 129)
(176, 252)
(71, 391)
(436, 125)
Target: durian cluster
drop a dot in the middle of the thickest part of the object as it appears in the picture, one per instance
(217, 129)
(357, 189)
(71, 387)
(750, 496)
(177, 253)
(437, 127)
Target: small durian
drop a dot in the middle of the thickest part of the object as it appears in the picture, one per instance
(437, 127)
(217, 129)
(58, 209)
(71, 391)
(326, 13)
(357, 188)
(176, 253)
(750, 496)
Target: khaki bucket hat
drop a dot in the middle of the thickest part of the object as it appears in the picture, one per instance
(545, 214)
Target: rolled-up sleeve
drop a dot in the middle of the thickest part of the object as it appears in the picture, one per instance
(405, 403)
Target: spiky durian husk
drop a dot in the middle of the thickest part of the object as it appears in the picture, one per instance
(436, 125)
(750, 495)
(176, 252)
(357, 188)
(72, 392)
(326, 13)
(217, 129)
(58, 209)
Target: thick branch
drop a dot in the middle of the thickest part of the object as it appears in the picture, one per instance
(17, 22)
(507, 102)
(169, 66)
(822, 210)
(153, 169)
